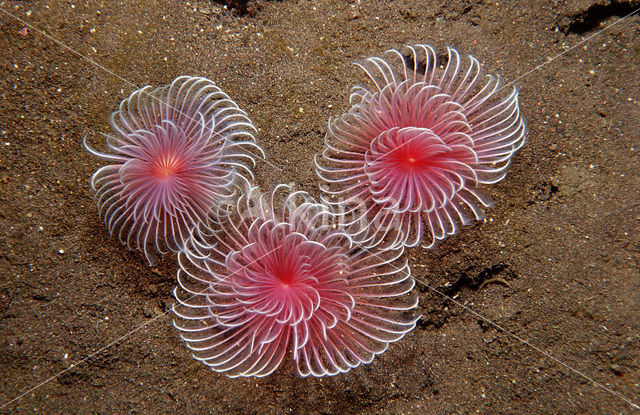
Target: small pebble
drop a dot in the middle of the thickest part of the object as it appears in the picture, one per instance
(616, 369)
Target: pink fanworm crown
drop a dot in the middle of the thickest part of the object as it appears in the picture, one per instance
(408, 156)
(270, 277)
(176, 154)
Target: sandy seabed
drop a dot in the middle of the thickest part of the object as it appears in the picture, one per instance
(555, 264)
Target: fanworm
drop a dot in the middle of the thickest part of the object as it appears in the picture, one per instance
(175, 156)
(407, 158)
(270, 277)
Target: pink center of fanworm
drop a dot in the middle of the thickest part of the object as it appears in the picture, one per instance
(413, 169)
(167, 167)
(284, 275)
